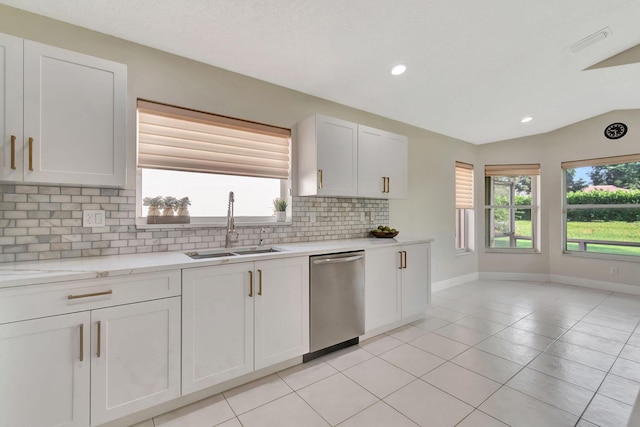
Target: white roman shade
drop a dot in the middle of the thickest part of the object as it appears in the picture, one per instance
(602, 161)
(512, 170)
(185, 140)
(464, 186)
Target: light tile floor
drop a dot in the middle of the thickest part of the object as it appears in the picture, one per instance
(489, 353)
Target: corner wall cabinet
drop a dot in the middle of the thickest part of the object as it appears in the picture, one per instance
(87, 352)
(382, 164)
(63, 116)
(344, 159)
(397, 285)
(242, 317)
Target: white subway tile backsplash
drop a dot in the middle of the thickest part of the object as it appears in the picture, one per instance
(45, 222)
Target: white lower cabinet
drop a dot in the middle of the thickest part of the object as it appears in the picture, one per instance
(135, 357)
(242, 317)
(75, 358)
(397, 284)
(45, 372)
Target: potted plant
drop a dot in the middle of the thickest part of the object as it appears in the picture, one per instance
(280, 206)
(169, 204)
(154, 204)
(183, 206)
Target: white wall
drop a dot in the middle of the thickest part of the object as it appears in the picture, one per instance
(583, 140)
(162, 77)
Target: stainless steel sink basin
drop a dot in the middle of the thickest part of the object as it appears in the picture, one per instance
(255, 251)
(199, 255)
(239, 252)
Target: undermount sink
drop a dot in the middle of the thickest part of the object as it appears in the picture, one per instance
(239, 252)
(198, 255)
(255, 251)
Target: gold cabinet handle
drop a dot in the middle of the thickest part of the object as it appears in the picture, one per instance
(250, 284)
(260, 282)
(384, 184)
(82, 342)
(95, 294)
(30, 154)
(404, 253)
(13, 152)
(320, 179)
(99, 338)
(388, 184)
(400, 268)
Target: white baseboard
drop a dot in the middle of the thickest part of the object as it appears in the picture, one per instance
(455, 281)
(529, 277)
(595, 284)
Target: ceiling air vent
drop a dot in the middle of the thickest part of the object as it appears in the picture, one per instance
(590, 40)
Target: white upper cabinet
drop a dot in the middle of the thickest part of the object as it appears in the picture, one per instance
(11, 108)
(66, 115)
(344, 159)
(327, 157)
(382, 164)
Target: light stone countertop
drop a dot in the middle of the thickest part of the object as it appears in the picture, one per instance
(49, 271)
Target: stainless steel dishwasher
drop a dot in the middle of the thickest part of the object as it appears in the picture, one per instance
(336, 302)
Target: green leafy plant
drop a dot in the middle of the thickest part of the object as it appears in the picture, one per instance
(280, 204)
(152, 201)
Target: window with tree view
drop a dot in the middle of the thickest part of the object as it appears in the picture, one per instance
(511, 211)
(602, 206)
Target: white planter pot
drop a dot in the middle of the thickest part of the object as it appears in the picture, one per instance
(281, 216)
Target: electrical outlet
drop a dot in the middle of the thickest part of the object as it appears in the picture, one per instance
(312, 217)
(362, 216)
(373, 216)
(613, 271)
(93, 218)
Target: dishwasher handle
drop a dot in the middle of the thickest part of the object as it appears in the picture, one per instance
(337, 260)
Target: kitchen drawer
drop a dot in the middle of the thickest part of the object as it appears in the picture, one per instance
(29, 302)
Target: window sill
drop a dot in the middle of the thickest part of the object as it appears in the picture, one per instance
(464, 252)
(141, 224)
(512, 251)
(595, 255)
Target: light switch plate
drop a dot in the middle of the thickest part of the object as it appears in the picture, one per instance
(93, 218)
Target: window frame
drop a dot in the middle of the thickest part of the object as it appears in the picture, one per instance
(464, 241)
(511, 171)
(212, 221)
(603, 161)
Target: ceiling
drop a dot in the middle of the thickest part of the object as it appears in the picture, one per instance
(475, 68)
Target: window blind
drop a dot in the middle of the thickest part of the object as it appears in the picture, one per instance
(175, 138)
(630, 158)
(464, 186)
(512, 170)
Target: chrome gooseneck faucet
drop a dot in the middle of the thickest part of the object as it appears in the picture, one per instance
(232, 234)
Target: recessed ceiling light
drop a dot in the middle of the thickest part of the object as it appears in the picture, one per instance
(398, 69)
(526, 119)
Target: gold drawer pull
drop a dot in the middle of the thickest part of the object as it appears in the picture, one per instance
(260, 282)
(95, 294)
(99, 338)
(250, 283)
(30, 154)
(82, 342)
(320, 173)
(13, 152)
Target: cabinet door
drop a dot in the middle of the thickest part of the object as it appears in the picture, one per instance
(217, 324)
(382, 164)
(337, 157)
(135, 361)
(382, 287)
(74, 115)
(11, 108)
(281, 310)
(45, 372)
(416, 282)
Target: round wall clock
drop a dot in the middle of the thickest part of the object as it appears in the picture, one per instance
(615, 130)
